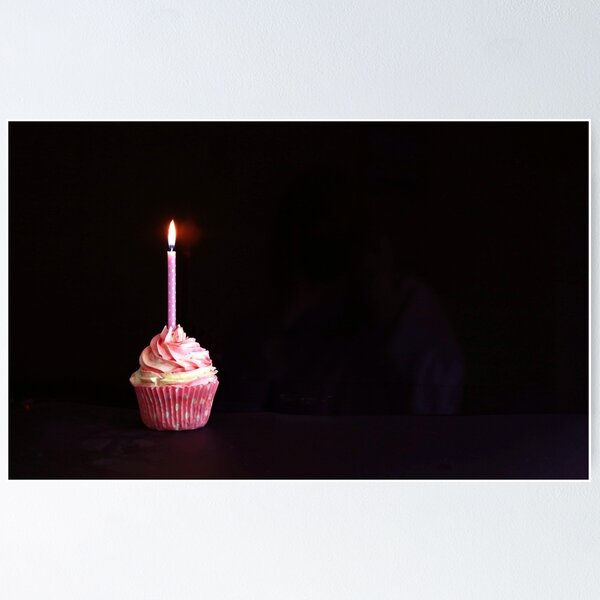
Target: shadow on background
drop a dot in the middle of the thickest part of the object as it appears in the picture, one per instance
(352, 334)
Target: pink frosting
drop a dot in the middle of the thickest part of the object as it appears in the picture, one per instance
(172, 351)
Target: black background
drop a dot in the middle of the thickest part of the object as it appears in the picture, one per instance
(494, 216)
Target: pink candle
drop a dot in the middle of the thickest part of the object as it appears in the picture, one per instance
(171, 271)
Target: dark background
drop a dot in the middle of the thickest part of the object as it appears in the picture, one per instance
(493, 216)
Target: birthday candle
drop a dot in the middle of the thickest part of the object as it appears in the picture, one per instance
(171, 271)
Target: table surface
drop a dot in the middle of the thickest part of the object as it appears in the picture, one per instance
(51, 439)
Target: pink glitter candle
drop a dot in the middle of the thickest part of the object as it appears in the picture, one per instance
(171, 271)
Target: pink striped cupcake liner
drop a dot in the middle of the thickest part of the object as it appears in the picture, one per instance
(176, 407)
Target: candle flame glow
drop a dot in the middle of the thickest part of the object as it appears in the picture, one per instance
(172, 234)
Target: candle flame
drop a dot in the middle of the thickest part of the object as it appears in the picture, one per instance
(172, 234)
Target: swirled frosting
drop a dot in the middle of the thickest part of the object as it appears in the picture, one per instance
(173, 358)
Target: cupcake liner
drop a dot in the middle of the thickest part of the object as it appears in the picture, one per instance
(176, 407)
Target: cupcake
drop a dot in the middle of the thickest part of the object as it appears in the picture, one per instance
(176, 382)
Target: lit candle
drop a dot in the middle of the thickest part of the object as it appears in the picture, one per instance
(171, 270)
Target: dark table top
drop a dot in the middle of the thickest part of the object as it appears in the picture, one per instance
(54, 439)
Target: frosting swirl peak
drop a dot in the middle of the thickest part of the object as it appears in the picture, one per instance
(172, 357)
